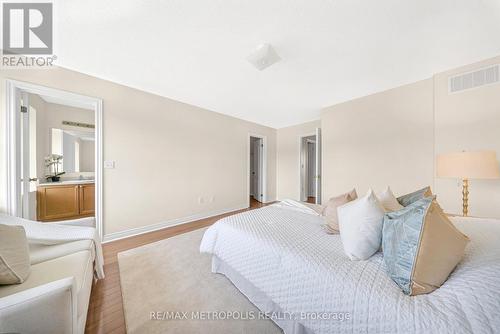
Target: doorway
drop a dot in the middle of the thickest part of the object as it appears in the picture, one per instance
(54, 154)
(256, 169)
(310, 167)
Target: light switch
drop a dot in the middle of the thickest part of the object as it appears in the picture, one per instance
(109, 164)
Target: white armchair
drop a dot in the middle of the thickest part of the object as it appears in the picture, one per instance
(54, 303)
(55, 296)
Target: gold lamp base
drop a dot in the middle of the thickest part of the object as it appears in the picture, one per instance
(465, 197)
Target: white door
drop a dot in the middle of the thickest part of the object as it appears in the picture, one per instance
(311, 169)
(25, 156)
(253, 172)
(303, 169)
(318, 166)
(258, 169)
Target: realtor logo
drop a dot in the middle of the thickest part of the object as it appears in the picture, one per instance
(27, 28)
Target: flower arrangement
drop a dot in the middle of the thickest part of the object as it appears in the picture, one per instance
(52, 163)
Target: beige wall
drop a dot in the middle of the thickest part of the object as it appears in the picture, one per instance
(379, 140)
(288, 158)
(391, 138)
(168, 154)
(469, 120)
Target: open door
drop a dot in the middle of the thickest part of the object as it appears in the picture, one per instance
(25, 155)
(311, 170)
(27, 162)
(24, 166)
(256, 168)
(308, 172)
(318, 166)
(259, 161)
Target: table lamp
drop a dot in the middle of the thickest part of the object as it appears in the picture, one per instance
(467, 166)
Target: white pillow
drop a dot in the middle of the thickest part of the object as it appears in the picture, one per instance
(389, 201)
(360, 224)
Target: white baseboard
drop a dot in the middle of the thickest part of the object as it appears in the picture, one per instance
(174, 222)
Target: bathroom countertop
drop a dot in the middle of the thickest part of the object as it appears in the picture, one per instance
(68, 182)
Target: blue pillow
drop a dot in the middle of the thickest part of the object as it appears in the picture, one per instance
(415, 259)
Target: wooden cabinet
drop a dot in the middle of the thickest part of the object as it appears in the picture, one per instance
(86, 197)
(61, 202)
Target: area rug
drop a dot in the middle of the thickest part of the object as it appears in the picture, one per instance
(168, 287)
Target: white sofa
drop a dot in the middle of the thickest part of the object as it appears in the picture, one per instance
(55, 297)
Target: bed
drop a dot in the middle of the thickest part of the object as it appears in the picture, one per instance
(281, 258)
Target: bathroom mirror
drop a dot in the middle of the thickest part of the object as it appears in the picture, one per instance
(77, 149)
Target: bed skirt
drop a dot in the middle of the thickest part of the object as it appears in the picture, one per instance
(263, 302)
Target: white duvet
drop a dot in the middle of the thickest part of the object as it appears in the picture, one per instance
(283, 251)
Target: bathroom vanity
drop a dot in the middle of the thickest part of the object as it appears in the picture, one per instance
(65, 200)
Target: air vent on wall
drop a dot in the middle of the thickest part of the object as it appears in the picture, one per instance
(485, 76)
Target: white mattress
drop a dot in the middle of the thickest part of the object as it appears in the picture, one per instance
(284, 252)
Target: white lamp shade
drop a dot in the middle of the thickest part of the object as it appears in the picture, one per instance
(468, 165)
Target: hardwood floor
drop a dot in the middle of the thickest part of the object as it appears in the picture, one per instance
(311, 200)
(105, 314)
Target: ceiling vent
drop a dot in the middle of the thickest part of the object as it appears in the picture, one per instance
(263, 56)
(482, 77)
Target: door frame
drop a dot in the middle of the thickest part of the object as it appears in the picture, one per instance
(262, 167)
(311, 172)
(319, 166)
(12, 152)
(302, 161)
(302, 175)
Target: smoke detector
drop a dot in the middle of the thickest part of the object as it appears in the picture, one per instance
(263, 56)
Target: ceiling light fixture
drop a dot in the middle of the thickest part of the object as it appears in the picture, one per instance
(263, 56)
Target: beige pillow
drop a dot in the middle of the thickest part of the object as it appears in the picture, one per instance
(421, 246)
(14, 255)
(330, 210)
(442, 246)
(388, 200)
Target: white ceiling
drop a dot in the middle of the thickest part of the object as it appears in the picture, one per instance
(331, 51)
(67, 102)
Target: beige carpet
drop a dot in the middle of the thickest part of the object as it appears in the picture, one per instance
(170, 277)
